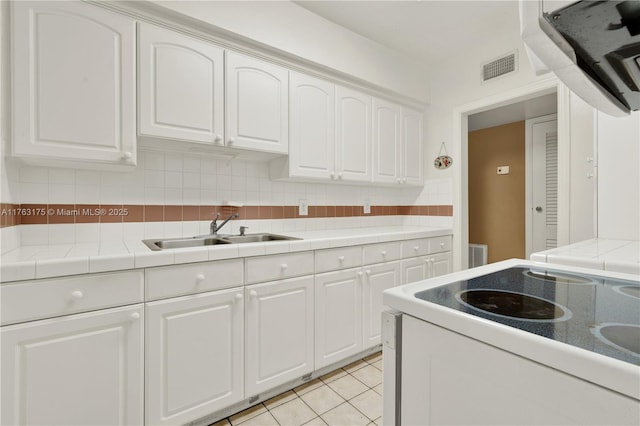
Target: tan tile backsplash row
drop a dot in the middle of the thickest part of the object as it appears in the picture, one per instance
(42, 214)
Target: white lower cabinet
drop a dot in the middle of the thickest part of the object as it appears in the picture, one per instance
(338, 316)
(423, 267)
(194, 356)
(377, 279)
(83, 369)
(278, 333)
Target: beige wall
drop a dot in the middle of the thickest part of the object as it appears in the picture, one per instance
(497, 202)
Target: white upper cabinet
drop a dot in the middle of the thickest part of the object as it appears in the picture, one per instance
(257, 104)
(387, 119)
(312, 124)
(411, 157)
(181, 86)
(73, 83)
(353, 135)
(397, 144)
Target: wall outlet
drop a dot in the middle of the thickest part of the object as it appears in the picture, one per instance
(366, 207)
(303, 208)
(503, 170)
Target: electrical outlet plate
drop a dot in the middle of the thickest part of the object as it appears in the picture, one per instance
(303, 208)
(366, 207)
(503, 170)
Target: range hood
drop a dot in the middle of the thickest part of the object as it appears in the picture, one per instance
(592, 46)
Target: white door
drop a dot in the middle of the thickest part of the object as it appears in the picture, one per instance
(257, 104)
(377, 279)
(279, 333)
(312, 118)
(83, 369)
(194, 356)
(181, 86)
(441, 264)
(414, 269)
(353, 135)
(74, 75)
(544, 186)
(387, 121)
(411, 157)
(338, 316)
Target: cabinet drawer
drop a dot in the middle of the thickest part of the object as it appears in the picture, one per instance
(177, 280)
(379, 253)
(277, 267)
(37, 299)
(338, 258)
(417, 247)
(440, 244)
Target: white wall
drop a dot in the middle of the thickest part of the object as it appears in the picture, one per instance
(619, 177)
(285, 26)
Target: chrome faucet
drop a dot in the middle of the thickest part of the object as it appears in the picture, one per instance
(214, 228)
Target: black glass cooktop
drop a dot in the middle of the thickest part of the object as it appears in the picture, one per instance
(600, 315)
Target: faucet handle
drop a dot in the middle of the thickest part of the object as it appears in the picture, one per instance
(242, 229)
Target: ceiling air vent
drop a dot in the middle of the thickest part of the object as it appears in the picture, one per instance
(499, 67)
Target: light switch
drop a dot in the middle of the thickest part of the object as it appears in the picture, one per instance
(303, 208)
(503, 170)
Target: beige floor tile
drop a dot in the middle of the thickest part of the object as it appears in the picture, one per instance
(247, 414)
(378, 421)
(355, 366)
(322, 399)
(293, 413)
(345, 415)
(223, 422)
(368, 375)
(280, 399)
(318, 422)
(348, 386)
(336, 374)
(377, 364)
(378, 389)
(309, 386)
(374, 357)
(264, 419)
(369, 404)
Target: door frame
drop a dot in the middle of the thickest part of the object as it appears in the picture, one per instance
(542, 86)
(528, 159)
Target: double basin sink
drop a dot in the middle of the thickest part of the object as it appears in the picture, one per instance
(210, 240)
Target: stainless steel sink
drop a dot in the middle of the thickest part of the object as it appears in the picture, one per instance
(173, 243)
(257, 238)
(209, 240)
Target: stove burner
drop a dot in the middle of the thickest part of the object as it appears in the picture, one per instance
(629, 290)
(559, 278)
(514, 305)
(623, 337)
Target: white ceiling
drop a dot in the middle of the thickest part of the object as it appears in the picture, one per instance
(531, 108)
(428, 31)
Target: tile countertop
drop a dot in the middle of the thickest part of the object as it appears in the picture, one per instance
(609, 255)
(45, 261)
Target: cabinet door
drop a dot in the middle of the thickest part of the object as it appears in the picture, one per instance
(386, 142)
(83, 369)
(279, 333)
(378, 278)
(257, 104)
(73, 82)
(194, 356)
(312, 117)
(415, 269)
(412, 162)
(338, 313)
(440, 264)
(181, 86)
(353, 135)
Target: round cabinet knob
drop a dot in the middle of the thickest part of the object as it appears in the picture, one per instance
(253, 293)
(339, 175)
(416, 248)
(441, 245)
(217, 138)
(360, 273)
(341, 258)
(383, 252)
(427, 260)
(404, 180)
(200, 278)
(284, 266)
(127, 156)
(135, 316)
(77, 295)
(239, 297)
(368, 272)
(332, 175)
(231, 141)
